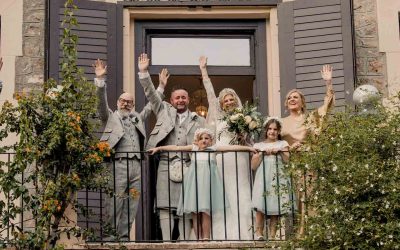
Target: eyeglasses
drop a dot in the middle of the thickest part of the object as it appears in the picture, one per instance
(122, 100)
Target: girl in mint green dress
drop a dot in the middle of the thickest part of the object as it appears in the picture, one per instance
(202, 193)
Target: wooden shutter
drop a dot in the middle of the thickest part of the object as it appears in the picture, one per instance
(313, 33)
(97, 32)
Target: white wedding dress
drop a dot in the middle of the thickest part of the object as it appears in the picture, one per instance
(234, 168)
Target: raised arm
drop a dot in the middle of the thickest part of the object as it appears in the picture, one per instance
(100, 69)
(163, 81)
(145, 80)
(213, 104)
(329, 100)
(236, 148)
(169, 148)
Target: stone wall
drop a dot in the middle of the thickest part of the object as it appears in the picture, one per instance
(29, 68)
(371, 64)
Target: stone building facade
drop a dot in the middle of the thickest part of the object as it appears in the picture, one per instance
(25, 45)
(371, 61)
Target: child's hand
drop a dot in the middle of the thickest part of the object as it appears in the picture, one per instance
(275, 151)
(268, 151)
(296, 146)
(152, 151)
(253, 150)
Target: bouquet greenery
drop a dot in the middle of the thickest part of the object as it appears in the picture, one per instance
(245, 123)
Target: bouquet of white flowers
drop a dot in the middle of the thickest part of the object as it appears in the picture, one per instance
(245, 123)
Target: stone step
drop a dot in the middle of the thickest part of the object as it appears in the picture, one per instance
(181, 245)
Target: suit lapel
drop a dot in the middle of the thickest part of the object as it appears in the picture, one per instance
(192, 120)
(138, 123)
(173, 115)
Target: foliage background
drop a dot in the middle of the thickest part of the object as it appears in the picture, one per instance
(354, 199)
(56, 153)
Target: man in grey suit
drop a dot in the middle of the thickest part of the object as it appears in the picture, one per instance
(175, 126)
(125, 133)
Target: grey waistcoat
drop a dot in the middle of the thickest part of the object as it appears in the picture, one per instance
(178, 137)
(129, 141)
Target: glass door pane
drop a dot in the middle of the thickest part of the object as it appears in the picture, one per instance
(186, 51)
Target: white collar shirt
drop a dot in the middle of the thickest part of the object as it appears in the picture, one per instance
(182, 116)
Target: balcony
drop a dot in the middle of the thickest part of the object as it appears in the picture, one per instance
(227, 189)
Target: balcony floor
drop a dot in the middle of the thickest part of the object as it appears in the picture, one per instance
(181, 245)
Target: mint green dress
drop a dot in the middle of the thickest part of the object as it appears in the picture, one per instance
(272, 190)
(202, 184)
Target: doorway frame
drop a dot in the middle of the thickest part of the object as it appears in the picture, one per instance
(253, 29)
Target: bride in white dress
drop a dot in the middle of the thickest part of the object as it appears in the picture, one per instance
(236, 223)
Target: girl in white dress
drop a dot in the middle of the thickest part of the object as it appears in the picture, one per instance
(272, 187)
(202, 194)
(234, 167)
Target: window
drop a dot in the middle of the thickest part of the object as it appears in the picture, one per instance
(186, 51)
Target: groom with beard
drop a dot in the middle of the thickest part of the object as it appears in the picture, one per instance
(125, 133)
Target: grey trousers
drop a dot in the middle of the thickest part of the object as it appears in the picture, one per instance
(121, 208)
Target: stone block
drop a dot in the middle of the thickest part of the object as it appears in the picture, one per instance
(33, 29)
(364, 19)
(367, 42)
(368, 31)
(364, 6)
(33, 46)
(366, 52)
(23, 66)
(29, 65)
(378, 81)
(34, 4)
(376, 66)
(31, 81)
(34, 16)
(361, 65)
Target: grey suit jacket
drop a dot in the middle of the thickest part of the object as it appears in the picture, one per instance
(114, 129)
(166, 116)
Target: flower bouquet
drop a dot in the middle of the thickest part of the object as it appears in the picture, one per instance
(245, 123)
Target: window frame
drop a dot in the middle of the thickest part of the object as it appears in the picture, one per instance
(255, 29)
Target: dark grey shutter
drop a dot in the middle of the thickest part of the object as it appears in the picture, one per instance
(97, 34)
(313, 33)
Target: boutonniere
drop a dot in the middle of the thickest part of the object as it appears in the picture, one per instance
(134, 119)
(194, 116)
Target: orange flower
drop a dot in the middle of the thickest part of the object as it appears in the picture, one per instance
(94, 157)
(74, 116)
(134, 193)
(103, 146)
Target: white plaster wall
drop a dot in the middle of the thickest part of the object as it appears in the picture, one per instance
(11, 13)
(389, 40)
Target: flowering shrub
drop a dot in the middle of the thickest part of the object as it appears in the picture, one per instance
(245, 122)
(353, 201)
(56, 152)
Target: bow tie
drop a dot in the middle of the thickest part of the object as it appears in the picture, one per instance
(128, 116)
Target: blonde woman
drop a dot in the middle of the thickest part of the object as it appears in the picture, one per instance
(298, 124)
(234, 167)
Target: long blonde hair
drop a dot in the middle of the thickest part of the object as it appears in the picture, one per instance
(303, 99)
(224, 93)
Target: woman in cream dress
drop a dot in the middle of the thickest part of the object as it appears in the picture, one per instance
(236, 222)
(298, 124)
